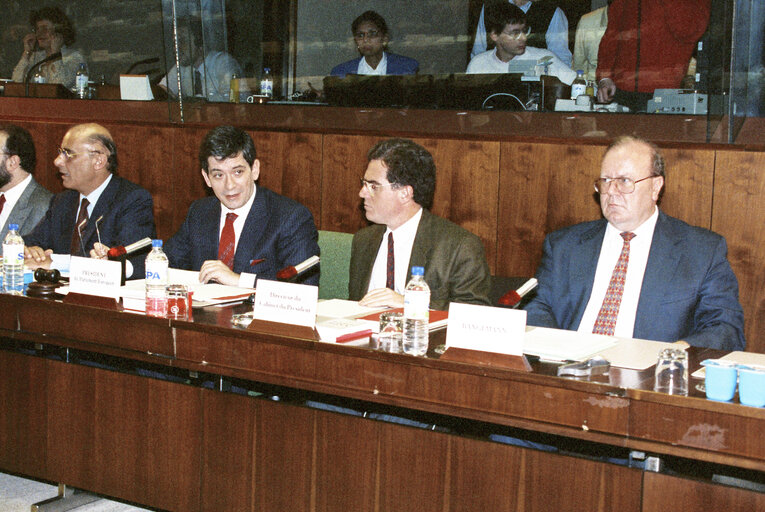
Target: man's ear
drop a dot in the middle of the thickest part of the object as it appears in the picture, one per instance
(206, 178)
(13, 162)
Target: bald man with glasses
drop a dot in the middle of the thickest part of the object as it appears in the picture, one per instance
(98, 205)
(638, 272)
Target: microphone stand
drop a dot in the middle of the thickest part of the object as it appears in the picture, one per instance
(34, 67)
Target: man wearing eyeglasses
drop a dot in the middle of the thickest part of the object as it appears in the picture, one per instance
(638, 272)
(397, 190)
(507, 28)
(23, 201)
(98, 206)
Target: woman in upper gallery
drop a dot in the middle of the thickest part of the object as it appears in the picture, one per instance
(52, 32)
(370, 33)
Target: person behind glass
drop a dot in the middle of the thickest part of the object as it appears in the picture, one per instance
(638, 272)
(204, 75)
(98, 205)
(23, 201)
(370, 33)
(508, 31)
(397, 189)
(52, 32)
(244, 231)
(547, 21)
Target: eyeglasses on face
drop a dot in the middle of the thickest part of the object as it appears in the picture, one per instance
(623, 185)
(373, 186)
(69, 154)
(369, 34)
(518, 33)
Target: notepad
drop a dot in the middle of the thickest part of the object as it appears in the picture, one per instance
(563, 345)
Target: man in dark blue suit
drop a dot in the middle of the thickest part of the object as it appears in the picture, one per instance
(245, 231)
(98, 204)
(675, 281)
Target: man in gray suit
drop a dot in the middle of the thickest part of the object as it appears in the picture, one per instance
(397, 190)
(23, 201)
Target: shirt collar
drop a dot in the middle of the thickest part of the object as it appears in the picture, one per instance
(93, 196)
(644, 231)
(14, 193)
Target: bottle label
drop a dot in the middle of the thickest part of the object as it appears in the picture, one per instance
(13, 254)
(266, 87)
(81, 81)
(577, 90)
(416, 304)
(156, 273)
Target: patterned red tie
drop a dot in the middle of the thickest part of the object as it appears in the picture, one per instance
(227, 241)
(390, 277)
(609, 311)
(2, 202)
(76, 248)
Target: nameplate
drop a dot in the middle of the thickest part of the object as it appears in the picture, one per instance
(286, 303)
(90, 276)
(487, 329)
(135, 87)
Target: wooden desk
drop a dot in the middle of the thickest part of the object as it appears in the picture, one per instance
(83, 407)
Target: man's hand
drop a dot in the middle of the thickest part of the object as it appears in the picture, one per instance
(606, 90)
(99, 251)
(382, 297)
(37, 257)
(29, 43)
(216, 270)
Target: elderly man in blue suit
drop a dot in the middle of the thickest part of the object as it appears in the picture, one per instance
(98, 205)
(638, 272)
(246, 231)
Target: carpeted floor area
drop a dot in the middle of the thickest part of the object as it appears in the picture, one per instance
(18, 494)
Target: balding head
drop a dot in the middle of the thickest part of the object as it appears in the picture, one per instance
(88, 155)
(98, 135)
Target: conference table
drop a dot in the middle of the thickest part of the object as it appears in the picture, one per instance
(192, 415)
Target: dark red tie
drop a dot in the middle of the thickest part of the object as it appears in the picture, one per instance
(2, 202)
(227, 241)
(390, 276)
(609, 311)
(76, 247)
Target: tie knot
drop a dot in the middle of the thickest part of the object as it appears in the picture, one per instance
(231, 217)
(627, 236)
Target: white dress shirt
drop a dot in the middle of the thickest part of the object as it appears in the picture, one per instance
(381, 69)
(403, 240)
(640, 247)
(12, 197)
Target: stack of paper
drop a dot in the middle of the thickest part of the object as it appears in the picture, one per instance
(562, 345)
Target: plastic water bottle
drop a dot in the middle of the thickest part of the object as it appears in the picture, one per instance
(156, 280)
(267, 83)
(416, 314)
(13, 261)
(579, 85)
(81, 81)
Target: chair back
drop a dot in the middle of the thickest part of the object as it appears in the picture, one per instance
(335, 261)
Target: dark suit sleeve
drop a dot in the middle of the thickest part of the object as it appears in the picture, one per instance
(41, 235)
(718, 321)
(539, 310)
(135, 223)
(470, 280)
(299, 241)
(178, 248)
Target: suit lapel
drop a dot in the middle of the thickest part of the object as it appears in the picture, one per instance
(253, 230)
(368, 254)
(209, 228)
(583, 263)
(421, 248)
(102, 207)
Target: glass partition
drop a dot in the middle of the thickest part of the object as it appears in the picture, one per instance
(702, 59)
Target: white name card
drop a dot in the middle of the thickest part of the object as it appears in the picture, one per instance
(95, 277)
(135, 87)
(286, 303)
(485, 328)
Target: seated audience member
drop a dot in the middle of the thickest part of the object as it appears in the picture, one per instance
(23, 201)
(97, 205)
(665, 36)
(508, 30)
(397, 190)
(547, 21)
(245, 231)
(638, 272)
(204, 75)
(589, 32)
(52, 33)
(370, 33)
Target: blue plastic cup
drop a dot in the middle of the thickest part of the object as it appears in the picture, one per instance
(751, 387)
(720, 380)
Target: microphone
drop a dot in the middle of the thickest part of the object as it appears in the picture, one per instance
(79, 232)
(34, 68)
(120, 251)
(291, 272)
(513, 297)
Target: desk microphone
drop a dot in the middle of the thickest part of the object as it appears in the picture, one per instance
(35, 67)
(120, 251)
(291, 272)
(513, 297)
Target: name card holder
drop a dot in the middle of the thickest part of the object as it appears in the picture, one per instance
(94, 301)
(280, 329)
(507, 361)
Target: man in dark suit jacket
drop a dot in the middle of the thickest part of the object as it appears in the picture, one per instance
(23, 201)
(681, 288)
(397, 189)
(269, 231)
(122, 211)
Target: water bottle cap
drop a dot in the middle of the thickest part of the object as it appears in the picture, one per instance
(266, 70)
(13, 227)
(156, 243)
(418, 271)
